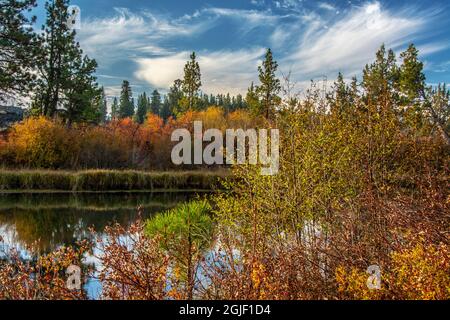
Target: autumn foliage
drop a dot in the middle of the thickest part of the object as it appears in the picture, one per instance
(43, 143)
(363, 181)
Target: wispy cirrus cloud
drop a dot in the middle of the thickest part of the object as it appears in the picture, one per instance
(349, 42)
(127, 34)
(311, 42)
(326, 6)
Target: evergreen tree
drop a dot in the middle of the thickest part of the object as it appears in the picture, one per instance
(212, 100)
(412, 89)
(191, 84)
(17, 48)
(165, 109)
(66, 78)
(83, 96)
(103, 106)
(270, 86)
(380, 80)
(205, 103)
(126, 106)
(220, 100)
(340, 98)
(66, 81)
(227, 103)
(142, 108)
(115, 109)
(252, 100)
(239, 102)
(412, 78)
(175, 96)
(155, 105)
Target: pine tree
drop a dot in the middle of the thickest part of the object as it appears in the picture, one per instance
(380, 80)
(412, 89)
(270, 86)
(220, 100)
(83, 97)
(205, 101)
(142, 108)
(191, 84)
(175, 96)
(228, 103)
(412, 78)
(17, 48)
(212, 100)
(155, 104)
(340, 97)
(66, 80)
(126, 105)
(239, 102)
(252, 100)
(115, 109)
(165, 109)
(103, 106)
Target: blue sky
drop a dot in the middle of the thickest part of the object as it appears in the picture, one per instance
(148, 41)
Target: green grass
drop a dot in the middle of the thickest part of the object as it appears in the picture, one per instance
(108, 180)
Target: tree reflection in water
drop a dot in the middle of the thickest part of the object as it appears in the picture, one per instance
(56, 219)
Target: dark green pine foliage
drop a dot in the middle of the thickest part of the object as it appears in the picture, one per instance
(227, 102)
(412, 89)
(175, 96)
(252, 100)
(270, 86)
(380, 80)
(142, 108)
(212, 100)
(126, 104)
(66, 82)
(240, 103)
(340, 97)
(17, 48)
(101, 105)
(412, 78)
(84, 100)
(155, 105)
(115, 109)
(165, 109)
(191, 84)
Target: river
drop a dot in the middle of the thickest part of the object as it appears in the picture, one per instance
(61, 219)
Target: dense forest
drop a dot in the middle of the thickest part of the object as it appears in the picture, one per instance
(363, 177)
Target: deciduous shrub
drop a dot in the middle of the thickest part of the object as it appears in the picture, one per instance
(42, 143)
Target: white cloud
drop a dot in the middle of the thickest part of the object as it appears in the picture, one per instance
(308, 43)
(431, 48)
(222, 71)
(441, 67)
(326, 6)
(258, 3)
(128, 34)
(351, 42)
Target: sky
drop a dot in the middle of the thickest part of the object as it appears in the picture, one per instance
(148, 41)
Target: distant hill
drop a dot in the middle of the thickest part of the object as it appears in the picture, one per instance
(9, 116)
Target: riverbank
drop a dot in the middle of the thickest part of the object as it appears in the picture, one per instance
(108, 180)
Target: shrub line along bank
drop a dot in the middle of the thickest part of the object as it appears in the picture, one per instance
(108, 180)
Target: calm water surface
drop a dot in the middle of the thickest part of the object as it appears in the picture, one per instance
(57, 219)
